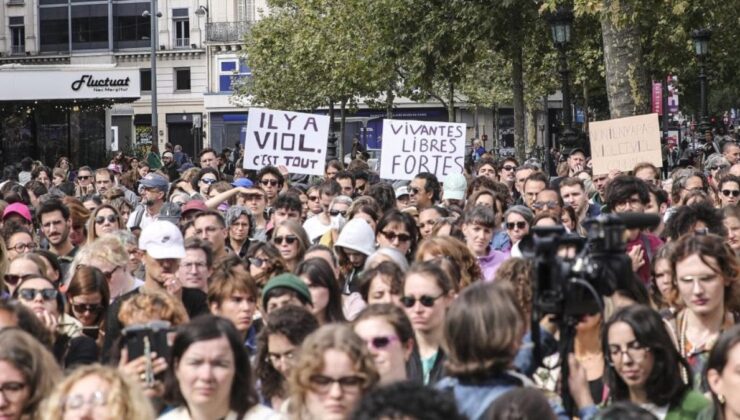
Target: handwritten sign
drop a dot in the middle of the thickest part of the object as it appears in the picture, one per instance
(295, 140)
(411, 147)
(624, 142)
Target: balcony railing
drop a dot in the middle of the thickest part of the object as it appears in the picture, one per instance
(18, 49)
(226, 31)
(182, 42)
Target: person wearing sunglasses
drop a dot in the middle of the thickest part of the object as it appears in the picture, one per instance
(277, 350)
(314, 201)
(729, 190)
(18, 240)
(507, 171)
(271, 180)
(291, 240)
(316, 226)
(22, 267)
(548, 201)
(427, 294)
(71, 347)
(424, 190)
(88, 297)
(265, 262)
(389, 336)
(397, 230)
(104, 219)
(333, 371)
(478, 226)
(517, 220)
(203, 180)
(84, 182)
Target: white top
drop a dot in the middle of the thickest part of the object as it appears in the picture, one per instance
(258, 412)
(315, 228)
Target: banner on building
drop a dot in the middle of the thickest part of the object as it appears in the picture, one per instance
(36, 83)
(410, 147)
(672, 88)
(657, 98)
(295, 140)
(622, 143)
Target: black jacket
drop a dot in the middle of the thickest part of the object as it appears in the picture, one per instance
(415, 372)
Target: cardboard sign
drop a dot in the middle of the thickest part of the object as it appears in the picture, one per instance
(411, 147)
(295, 140)
(624, 142)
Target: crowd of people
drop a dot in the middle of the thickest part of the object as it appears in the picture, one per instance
(161, 287)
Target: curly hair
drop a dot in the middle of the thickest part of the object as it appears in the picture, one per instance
(310, 362)
(276, 260)
(151, 305)
(125, 399)
(406, 400)
(685, 218)
(519, 273)
(455, 249)
(293, 322)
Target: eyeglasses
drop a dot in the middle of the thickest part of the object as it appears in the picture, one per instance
(728, 193)
(508, 168)
(77, 401)
(109, 274)
(338, 212)
(425, 300)
(22, 247)
(414, 191)
(30, 294)
(13, 279)
(350, 384)
(635, 350)
(208, 181)
(257, 262)
(313, 198)
(111, 218)
(83, 177)
(392, 236)
(270, 182)
(288, 239)
(547, 204)
(12, 390)
(382, 342)
(275, 358)
(518, 225)
(81, 308)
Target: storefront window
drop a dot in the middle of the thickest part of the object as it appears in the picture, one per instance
(90, 27)
(130, 28)
(54, 29)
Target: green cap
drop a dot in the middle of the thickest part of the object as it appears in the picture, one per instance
(287, 281)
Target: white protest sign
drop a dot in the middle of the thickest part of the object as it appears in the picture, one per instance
(624, 142)
(410, 147)
(295, 140)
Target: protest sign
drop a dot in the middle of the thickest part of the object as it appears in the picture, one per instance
(410, 147)
(624, 142)
(295, 140)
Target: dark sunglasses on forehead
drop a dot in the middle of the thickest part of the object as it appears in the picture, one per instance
(111, 218)
(733, 193)
(288, 239)
(13, 279)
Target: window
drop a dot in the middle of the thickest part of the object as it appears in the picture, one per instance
(130, 28)
(182, 79)
(90, 27)
(145, 77)
(181, 22)
(54, 29)
(231, 70)
(17, 35)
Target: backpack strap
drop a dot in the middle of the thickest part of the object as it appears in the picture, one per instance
(647, 247)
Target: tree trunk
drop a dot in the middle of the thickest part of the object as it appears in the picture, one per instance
(531, 128)
(517, 82)
(389, 97)
(451, 103)
(626, 80)
(331, 129)
(342, 120)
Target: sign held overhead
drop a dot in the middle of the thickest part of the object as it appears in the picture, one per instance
(411, 147)
(624, 142)
(295, 140)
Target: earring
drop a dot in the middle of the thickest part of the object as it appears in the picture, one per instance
(721, 398)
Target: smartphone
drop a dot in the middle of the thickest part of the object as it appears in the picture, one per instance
(145, 339)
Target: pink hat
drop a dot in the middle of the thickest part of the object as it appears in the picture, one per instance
(194, 205)
(19, 209)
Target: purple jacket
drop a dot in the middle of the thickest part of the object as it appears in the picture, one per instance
(489, 264)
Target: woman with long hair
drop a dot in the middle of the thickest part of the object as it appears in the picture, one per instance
(446, 249)
(265, 262)
(291, 240)
(89, 297)
(398, 230)
(325, 292)
(104, 219)
(722, 376)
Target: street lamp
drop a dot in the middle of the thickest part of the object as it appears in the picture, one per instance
(701, 39)
(561, 28)
(154, 38)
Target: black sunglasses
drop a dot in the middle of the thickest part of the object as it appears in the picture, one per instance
(337, 212)
(257, 262)
(30, 294)
(13, 279)
(272, 182)
(512, 225)
(288, 239)
(391, 236)
(84, 177)
(382, 342)
(111, 218)
(208, 181)
(414, 190)
(81, 308)
(425, 300)
(734, 193)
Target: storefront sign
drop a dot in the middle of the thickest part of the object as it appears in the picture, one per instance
(34, 84)
(622, 143)
(292, 139)
(410, 147)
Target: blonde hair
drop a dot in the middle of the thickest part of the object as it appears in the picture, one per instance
(152, 304)
(450, 247)
(110, 248)
(126, 400)
(310, 362)
(91, 236)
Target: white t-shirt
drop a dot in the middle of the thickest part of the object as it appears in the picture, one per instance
(315, 228)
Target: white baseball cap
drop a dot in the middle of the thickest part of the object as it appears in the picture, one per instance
(162, 240)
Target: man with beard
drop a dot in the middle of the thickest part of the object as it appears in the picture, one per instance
(56, 223)
(163, 248)
(154, 192)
